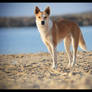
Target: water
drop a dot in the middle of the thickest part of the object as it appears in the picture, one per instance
(27, 40)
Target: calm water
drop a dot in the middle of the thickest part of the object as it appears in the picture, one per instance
(27, 40)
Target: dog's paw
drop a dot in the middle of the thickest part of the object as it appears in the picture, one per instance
(72, 64)
(69, 65)
(54, 67)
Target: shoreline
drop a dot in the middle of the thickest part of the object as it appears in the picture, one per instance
(34, 71)
(82, 19)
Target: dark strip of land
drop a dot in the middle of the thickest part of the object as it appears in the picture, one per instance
(83, 19)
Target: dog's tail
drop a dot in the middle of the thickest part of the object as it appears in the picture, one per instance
(82, 43)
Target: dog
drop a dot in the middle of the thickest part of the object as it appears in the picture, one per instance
(53, 32)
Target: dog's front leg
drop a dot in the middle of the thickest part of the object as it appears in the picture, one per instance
(54, 57)
(53, 53)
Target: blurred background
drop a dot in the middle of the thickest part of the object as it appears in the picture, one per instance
(18, 32)
(27, 9)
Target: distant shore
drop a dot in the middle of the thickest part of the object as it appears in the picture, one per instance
(33, 71)
(83, 19)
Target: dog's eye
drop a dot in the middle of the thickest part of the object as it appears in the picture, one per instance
(39, 17)
(45, 17)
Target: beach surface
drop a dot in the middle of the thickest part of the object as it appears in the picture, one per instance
(34, 71)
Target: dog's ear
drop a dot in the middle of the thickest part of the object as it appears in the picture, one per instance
(37, 10)
(47, 10)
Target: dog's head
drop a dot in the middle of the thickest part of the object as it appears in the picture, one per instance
(42, 18)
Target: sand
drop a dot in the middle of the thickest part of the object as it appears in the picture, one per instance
(34, 71)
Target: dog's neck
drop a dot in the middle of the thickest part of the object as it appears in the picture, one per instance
(50, 24)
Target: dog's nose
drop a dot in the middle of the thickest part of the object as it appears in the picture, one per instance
(42, 22)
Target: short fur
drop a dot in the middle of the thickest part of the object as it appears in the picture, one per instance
(52, 32)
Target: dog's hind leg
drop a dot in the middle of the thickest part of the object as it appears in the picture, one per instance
(67, 43)
(75, 41)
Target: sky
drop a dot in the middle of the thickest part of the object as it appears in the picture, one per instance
(27, 9)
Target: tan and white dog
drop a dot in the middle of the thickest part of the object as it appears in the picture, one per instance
(52, 32)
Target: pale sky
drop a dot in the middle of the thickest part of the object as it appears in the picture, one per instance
(27, 9)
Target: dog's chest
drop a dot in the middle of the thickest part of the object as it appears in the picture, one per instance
(45, 33)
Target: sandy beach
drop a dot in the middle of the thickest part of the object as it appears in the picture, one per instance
(34, 71)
